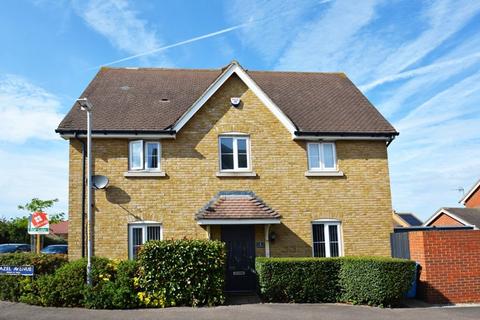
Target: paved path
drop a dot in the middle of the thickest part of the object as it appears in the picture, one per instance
(9, 310)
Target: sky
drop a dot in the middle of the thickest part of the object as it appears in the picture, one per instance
(417, 61)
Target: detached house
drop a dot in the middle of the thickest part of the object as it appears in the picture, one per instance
(283, 164)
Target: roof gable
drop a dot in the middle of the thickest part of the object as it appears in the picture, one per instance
(470, 193)
(466, 216)
(234, 68)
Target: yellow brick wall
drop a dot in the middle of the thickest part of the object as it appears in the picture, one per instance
(360, 199)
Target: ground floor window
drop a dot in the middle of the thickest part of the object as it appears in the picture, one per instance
(141, 232)
(326, 238)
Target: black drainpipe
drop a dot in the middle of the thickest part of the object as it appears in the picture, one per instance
(83, 192)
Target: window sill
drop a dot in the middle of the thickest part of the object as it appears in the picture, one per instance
(234, 174)
(324, 174)
(144, 174)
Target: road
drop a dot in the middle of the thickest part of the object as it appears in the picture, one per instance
(9, 310)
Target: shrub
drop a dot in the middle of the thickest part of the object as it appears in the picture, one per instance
(181, 272)
(370, 280)
(299, 280)
(116, 292)
(66, 287)
(375, 281)
(12, 287)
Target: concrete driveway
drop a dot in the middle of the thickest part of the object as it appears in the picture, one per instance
(9, 310)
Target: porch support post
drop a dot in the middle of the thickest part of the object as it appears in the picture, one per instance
(209, 236)
(267, 240)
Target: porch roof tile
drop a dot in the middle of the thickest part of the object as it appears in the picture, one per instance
(236, 205)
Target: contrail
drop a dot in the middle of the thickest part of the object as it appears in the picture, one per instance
(209, 35)
(419, 71)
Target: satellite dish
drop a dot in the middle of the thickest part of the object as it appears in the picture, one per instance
(99, 182)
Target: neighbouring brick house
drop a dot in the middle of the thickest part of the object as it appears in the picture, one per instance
(468, 216)
(273, 163)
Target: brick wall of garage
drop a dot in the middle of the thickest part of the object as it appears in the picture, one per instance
(450, 265)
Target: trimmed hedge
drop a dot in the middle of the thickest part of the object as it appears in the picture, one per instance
(367, 280)
(11, 287)
(375, 281)
(299, 280)
(181, 272)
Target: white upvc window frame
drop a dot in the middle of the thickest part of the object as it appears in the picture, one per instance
(326, 225)
(143, 225)
(144, 155)
(321, 167)
(235, 138)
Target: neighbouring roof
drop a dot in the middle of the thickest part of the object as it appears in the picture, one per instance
(470, 192)
(468, 216)
(59, 228)
(154, 99)
(236, 205)
(407, 219)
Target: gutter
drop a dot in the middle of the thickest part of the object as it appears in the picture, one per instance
(330, 136)
(83, 192)
(123, 134)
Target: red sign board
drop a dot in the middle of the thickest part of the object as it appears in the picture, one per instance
(39, 219)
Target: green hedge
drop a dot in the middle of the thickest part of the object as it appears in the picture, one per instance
(375, 281)
(181, 272)
(117, 292)
(299, 280)
(67, 286)
(11, 287)
(367, 280)
(168, 273)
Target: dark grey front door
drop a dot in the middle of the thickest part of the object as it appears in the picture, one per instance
(240, 243)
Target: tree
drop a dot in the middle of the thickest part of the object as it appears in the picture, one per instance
(39, 205)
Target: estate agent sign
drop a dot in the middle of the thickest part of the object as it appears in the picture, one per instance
(38, 223)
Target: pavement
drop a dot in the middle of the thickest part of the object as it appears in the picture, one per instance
(250, 311)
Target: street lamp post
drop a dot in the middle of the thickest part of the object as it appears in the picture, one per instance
(87, 106)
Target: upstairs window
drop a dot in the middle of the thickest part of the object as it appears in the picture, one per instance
(234, 153)
(326, 239)
(144, 155)
(322, 157)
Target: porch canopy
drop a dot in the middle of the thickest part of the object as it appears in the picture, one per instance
(236, 207)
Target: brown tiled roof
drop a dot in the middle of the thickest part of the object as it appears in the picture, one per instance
(59, 228)
(150, 99)
(236, 205)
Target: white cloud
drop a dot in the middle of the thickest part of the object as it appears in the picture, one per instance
(33, 158)
(444, 19)
(273, 23)
(27, 111)
(120, 24)
(33, 172)
(437, 150)
(323, 43)
(463, 62)
(457, 101)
